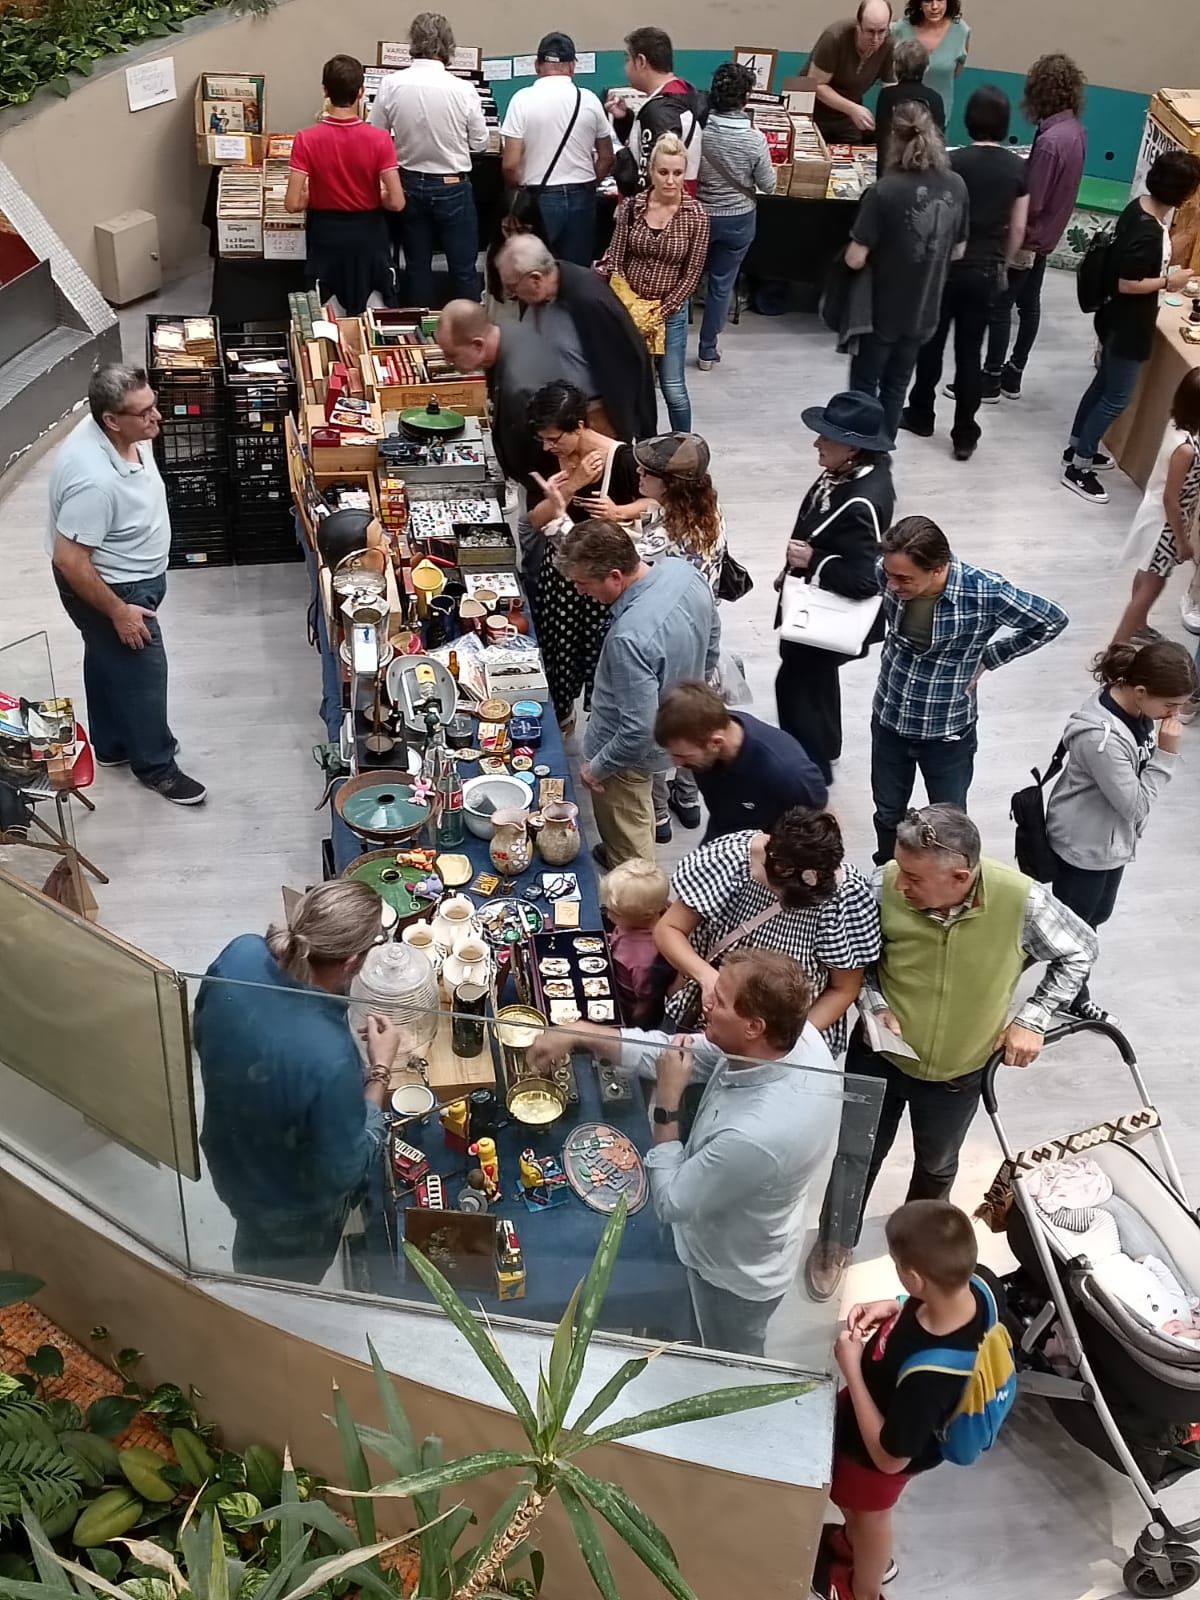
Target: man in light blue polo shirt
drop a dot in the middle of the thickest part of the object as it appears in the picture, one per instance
(109, 538)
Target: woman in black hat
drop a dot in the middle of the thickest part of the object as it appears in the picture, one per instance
(834, 545)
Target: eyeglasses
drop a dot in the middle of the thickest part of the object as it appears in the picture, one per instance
(144, 413)
(926, 832)
(551, 440)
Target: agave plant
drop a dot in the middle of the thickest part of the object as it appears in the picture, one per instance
(550, 1464)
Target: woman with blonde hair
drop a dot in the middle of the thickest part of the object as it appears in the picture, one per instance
(657, 253)
(910, 227)
(292, 1120)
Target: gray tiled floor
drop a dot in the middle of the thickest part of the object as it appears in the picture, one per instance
(244, 697)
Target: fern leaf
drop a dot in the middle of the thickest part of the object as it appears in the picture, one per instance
(42, 1475)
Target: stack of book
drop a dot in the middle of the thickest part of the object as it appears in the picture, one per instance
(190, 342)
(240, 211)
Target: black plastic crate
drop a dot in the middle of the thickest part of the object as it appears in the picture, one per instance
(188, 402)
(262, 497)
(255, 523)
(252, 455)
(250, 402)
(190, 444)
(192, 548)
(267, 554)
(196, 492)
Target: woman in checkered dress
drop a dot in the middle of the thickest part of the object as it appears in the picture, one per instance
(1166, 530)
(787, 890)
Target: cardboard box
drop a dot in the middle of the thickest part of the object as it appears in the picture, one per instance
(811, 163)
(1177, 112)
(229, 127)
(800, 95)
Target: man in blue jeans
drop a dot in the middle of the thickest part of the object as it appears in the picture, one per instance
(941, 616)
(436, 121)
(109, 538)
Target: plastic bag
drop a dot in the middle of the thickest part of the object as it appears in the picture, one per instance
(729, 680)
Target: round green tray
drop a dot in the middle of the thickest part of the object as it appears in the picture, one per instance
(397, 892)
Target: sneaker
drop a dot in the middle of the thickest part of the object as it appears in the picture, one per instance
(989, 390)
(911, 423)
(179, 789)
(1189, 617)
(688, 811)
(707, 363)
(1010, 382)
(1087, 1010)
(833, 1539)
(662, 830)
(1146, 635)
(117, 761)
(964, 452)
(825, 1269)
(600, 857)
(1085, 484)
(1100, 462)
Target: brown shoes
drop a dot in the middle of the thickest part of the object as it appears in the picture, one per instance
(825, 1269)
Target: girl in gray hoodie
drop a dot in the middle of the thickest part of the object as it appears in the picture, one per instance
(1115, 770)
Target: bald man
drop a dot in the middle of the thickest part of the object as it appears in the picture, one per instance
(848, 59)
(593, 339)
(516, 362)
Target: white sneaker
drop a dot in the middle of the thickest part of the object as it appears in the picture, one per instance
(1189, 617)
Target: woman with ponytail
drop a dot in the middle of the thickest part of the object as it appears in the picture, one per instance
(292, 1121)
(1121, 745)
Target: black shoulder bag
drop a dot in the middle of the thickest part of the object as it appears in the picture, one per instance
(533, 190)
(1028, 811)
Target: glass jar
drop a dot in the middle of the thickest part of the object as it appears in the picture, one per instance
(396, 982)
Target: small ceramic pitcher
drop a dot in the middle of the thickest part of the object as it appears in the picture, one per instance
(454, 917)
(511, 848)
(558, 837)
(469, 962)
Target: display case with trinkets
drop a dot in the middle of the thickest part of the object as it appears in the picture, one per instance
(568, 975)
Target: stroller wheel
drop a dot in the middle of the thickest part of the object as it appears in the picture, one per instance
(1141, 1579)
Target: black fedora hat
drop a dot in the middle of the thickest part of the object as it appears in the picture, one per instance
(851, 419)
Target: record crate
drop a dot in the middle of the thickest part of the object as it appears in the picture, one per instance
(265, 537)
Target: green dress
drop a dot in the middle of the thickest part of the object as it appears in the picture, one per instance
(943, 62)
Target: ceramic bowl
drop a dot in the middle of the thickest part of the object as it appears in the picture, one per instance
(506, 794)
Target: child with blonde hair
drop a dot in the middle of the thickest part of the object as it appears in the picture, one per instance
(634, 896)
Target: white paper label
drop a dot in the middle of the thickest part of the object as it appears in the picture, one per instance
(229, 147)
(394, 55)
(150, 83)
(238, 238)
(524, 66)
(498, 71)
(284, 244)
(465, 58)
(585, 62)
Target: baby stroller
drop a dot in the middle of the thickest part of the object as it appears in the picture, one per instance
(1124, 1390)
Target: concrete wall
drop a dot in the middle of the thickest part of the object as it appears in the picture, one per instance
(87, 158)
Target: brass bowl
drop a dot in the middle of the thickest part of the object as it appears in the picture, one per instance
(535, 1102)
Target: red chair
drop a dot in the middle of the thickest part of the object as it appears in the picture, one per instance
(39, 789)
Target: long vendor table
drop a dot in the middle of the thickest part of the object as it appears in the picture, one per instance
(1136, 435)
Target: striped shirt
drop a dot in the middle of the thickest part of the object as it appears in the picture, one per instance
(661, 264)
(922, 693)
(741, 148)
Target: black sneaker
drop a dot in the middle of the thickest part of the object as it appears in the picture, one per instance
(964, 452)
(1088, 1011)
(688, 811)
(911, 423)
(117, 761)
(1085, 484)
(179, 789)
(1010, 382)
(989, 390)
(1100, 462)
(600, 857)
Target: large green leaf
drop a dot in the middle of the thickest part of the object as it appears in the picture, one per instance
(49, 1571)
(604, 1397)
(560, 1356)
(479, 1340)
(460, 1471)
(617, 1497)
(290, 1533)
(697, 1408)
(357, 1472)
(587, 1536)
(394, 1413)
(434, 1579)
(647, 1550)
(218, 1572)
(348, 1562)
(495, 1527)
(595, 1287)
(321, 1517)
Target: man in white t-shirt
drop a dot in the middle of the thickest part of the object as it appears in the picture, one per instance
(558, 142)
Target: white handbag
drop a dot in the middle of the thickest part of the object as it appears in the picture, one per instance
(821, 619)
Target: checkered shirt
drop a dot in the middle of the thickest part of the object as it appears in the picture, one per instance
(922, 694)
(842, 933)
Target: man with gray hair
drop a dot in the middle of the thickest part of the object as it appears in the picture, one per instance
(109, 538)
(958, 931)
(436, 121)
(589, 333)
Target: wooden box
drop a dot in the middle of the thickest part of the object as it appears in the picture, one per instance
(344, 457)
(359, 480)
(1177, 112)
(246, 145)
(811, 163)
(468, 395)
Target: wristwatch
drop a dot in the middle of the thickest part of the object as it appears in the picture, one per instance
(662, 1116)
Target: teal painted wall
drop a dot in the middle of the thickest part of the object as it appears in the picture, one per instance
(1113, 117)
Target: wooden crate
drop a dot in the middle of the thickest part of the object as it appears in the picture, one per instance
(339, 458)
(468, 395)
(1177, 112)
(359, 480)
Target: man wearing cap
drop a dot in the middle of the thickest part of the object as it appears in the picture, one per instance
(436, 122)
(558, 144)
(590, 333)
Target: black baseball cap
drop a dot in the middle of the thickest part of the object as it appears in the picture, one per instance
(557, 47)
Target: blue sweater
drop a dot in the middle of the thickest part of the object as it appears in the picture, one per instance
(770, 774)
(287, 1132)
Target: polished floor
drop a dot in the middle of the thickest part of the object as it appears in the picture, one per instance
(1038, 1516)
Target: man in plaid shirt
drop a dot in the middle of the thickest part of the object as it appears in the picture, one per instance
(941, 617)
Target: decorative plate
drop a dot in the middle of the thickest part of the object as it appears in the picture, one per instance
(601, 1165)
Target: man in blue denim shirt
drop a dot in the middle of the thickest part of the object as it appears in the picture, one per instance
(293, 1120)
(664, 628)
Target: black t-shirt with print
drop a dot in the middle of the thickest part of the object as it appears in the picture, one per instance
(996, 179)
(1126, 322)
(915, 1410)
(910, 223)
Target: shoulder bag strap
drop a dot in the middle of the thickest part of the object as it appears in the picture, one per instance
(714, 160)
(1055, 767)
(743, 929)
(563, 143)
(606, 479)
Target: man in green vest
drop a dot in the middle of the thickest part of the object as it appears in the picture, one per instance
(958, 931)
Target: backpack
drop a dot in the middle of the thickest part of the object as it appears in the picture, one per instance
(1027, 808)
(989, 1389)
(1093, 282)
